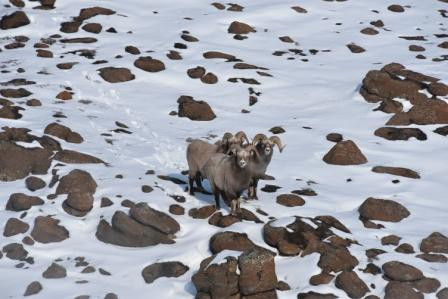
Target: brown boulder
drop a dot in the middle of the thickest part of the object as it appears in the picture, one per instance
(195, 110)
(382, 210)
(290, 200)
(54, 271)
(350, 282)
(334, 137)
(435, 242)
(426, 285)
(218, 55)
(432, 258)
(15, 93)
(21, 202)
(15, 251)
(209, 78)
(345, 153)
(176, 209)
(203, 212)
(77, 181)
(391, 133)
(74, 157)
(125, 231)
(314, 295)
(322, 278)
(402, 272)
(48, 230)
(87, 13)
(336, 259)
(116, 75)
(70, 27)
(14, 227)
(148, 216)
(400, 171)
(442, 294)
(240, 28)
(34, 183)
(390, 240)
(149, 64)
(395, 8)
(230, 241)
(429, 112)
(400, 290)
(78, 204)
(92, 27)
(14, 20)
(196, 72)
(354, 48)
(405, 248)
(33, 288)
(438, 89)
(165, 269)
(63, 132)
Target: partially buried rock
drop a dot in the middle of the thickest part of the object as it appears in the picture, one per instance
(290, 200)
(92, 27)
(354, 48)
(15, 92)
(399, 271)
(396, 8)
(63, 132)
(400, 171)
(209, 78)
(203, 212)
(176, 209)
(33, 288)
(55, 271)
(15, 226)
(230, 241)
(116, 75)
(382, 210)
(350, 282)
(74, 157)
(345, 153)
(391, 133)
(14, 20)
(132, 50)
(156, 219)
(48, 230)
(149, 64)
(196, 73)
(390, 240)
(78, 204)
(166, 269)
(195, 110)
(21, 202)
(76, 181)
(399, 290)
(334, 137)
(240, 28)
(435, 242)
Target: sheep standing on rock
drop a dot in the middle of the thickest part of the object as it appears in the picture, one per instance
(265, 149)
(229, 175)
(198, 153)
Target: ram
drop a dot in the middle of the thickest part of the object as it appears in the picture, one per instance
(198, 153)
(230, 174)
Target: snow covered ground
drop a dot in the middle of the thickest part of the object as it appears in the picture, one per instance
(308, 99)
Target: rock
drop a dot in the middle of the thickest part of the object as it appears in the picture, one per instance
(268, 188)
(15, 251)
(76, 181)
(196, 73)
(21, 202)
(333, 222)
(286, 39)
(290, 200)
(116, 75)
(15, 226)
(74, 157)
(390, 240)
(165, 269)
(391, 133)
(314, 295)
(66, 65)
(33, 288)
(438, 89)
(405, 248)
(435, 242)
(149, 64)
(128, 232)
(110, 296)
(176, 209)
(174, 55)
(336, 259)
(106, 202)
(257, 271)
(395, 8)
(70, 27)
(400, 171)
(33, 103)
(390, 106)
(15, 93)
(34, 183)
(230, 241)
(369, 31)
(374, 252)
(433, 258)
(87, 13)
(55, 271)
(399, 290)
(147, 189)
(92, 27)
(218, 55)
(382, 210)
(14, 20)
(11, 112)
(277, 130)
(223, 221)
(442, 294)
(372, 269)
(350, 282)
(88, 269)
(209, 78)
(240, 28)
(427, 285)
(354, 48)
(428, 112)
(47, 230)
(63, 132)
(132, 50)
(416, 48)
(82, 40)
(402, 272)
(189, 38)
(345, 153)
(195, 110)
(78, 204)
(156, 219)
(283, 286)
(64, 95)
(203, 212)
(299, 9)
(322, 278)
(334, 137)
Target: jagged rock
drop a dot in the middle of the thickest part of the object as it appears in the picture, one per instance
(345, 153)
(48, 230)
(240, 28)
(165, 269)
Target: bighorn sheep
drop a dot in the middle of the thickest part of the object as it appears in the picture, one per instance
(265, 148)
(198, 152)
(229, 175)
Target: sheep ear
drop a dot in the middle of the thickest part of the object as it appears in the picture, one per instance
(232, 152)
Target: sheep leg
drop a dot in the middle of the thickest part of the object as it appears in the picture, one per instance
(199, 182)
(255, 188)
(218, 207)
(190, 184)
(252, 194)
(233, 207)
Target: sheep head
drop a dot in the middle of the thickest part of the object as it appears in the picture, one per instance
(265, 144)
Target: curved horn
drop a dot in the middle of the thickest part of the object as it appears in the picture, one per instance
(226, 137)
(240, 135)
(276, 140)
(258, 137)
